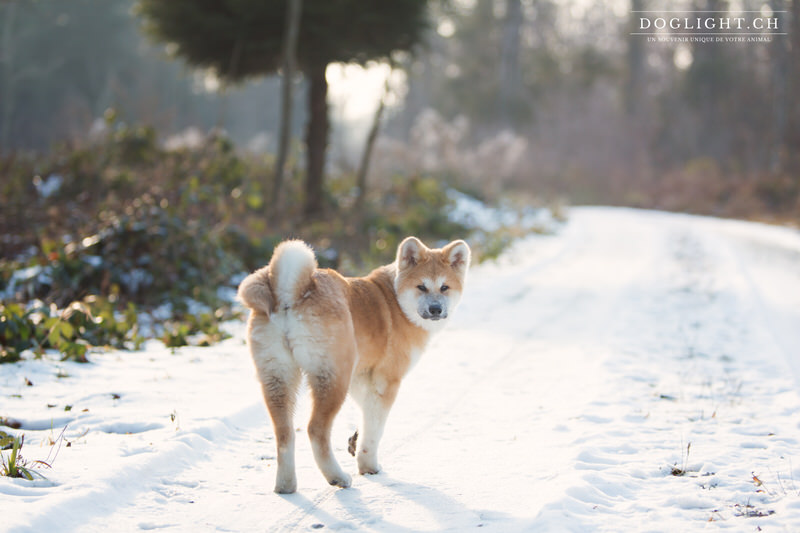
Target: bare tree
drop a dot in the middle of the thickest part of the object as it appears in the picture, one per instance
(793, 102)
(363, 167)
(635, 79)
(780, 67)
(7, 59)
(289, 68)
(510, 76)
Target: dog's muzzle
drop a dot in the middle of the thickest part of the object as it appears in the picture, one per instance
(434, 312)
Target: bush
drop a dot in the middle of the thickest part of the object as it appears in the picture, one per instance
(92, 322)
(98, 236)
(121, 227)
(412, 206)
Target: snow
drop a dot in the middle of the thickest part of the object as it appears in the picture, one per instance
(24, 276)
(473, 213)
(580, 371)
(48, 187)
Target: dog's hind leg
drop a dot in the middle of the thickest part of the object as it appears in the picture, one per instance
(280, 393)
(328, 392)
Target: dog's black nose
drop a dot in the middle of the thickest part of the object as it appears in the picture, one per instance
(435, 309)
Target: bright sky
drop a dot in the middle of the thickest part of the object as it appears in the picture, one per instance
(355, 91)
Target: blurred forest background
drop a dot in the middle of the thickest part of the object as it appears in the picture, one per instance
(550, 97)
(139, 139)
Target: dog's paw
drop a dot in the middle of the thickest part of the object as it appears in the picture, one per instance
(343, 481)
(367, 467)
(286, 486)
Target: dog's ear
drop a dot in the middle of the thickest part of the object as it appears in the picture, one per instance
(409, 253)
(458, 255)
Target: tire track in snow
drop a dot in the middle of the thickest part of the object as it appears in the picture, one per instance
(769, 273)
(711, 348)
(174, 456)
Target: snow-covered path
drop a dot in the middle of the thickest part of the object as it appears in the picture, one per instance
(580, 371)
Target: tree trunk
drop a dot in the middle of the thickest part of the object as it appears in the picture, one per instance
(363, 167)
(222, 92)
(793, 122)
(509, 71)
(635, 80)
(316, 138)
(780, 69)
(708, 69)
(289, 67)
(8, 90)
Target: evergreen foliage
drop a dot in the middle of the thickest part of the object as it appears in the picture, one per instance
(238, 39)
(243, 38)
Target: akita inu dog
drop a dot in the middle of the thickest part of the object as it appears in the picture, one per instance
(360, 335)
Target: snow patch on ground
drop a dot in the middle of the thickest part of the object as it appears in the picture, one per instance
(633, 372)
(472, 213)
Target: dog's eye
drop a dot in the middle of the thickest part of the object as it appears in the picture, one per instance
(444, 288)
(422, 288)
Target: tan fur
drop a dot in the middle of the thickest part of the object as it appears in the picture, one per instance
(360, 335)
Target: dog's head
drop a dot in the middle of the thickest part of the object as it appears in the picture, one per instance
(429, 282)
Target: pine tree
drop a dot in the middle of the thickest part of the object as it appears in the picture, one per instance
(239, 39)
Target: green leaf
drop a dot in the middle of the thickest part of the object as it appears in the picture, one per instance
(67, 330)
(54, 338)
(6, 441)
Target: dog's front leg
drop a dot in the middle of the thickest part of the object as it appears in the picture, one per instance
(376, 402)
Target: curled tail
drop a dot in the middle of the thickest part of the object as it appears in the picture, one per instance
(283, 282)
(290, 271)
